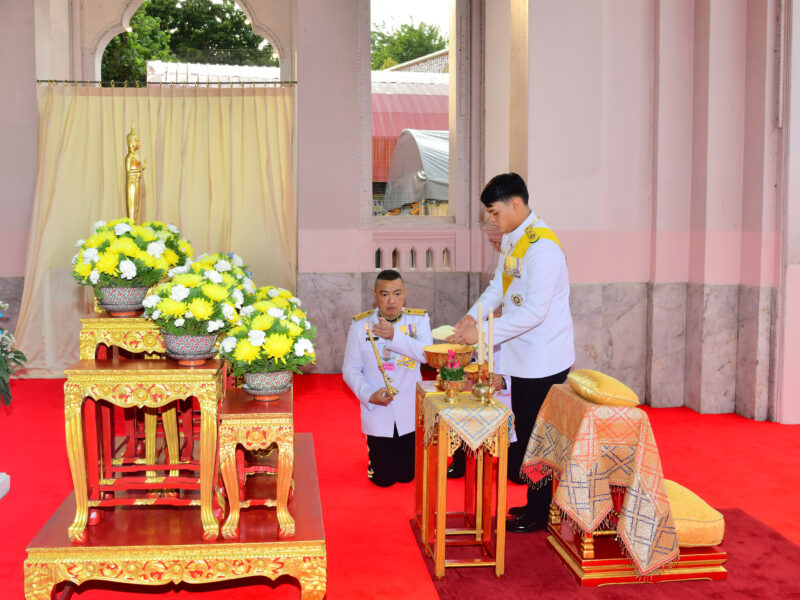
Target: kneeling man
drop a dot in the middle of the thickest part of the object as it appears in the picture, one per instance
(388, 421)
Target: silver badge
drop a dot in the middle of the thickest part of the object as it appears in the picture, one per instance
(516, 299)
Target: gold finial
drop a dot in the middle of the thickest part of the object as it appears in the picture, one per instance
(133, 175)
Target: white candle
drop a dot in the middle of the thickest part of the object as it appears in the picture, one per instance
(480, 334)
(491, 341)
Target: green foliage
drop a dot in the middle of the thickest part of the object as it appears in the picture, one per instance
(205, 31)
(198, 31)
(409, 41)
(10, 360)
(126, 56)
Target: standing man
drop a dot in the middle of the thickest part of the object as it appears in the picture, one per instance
(388, 421)
(531, 284)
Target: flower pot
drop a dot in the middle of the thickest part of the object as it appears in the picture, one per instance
(121, 301)
(267, 386)
(190, 350)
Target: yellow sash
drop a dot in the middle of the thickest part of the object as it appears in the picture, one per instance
(532, 234)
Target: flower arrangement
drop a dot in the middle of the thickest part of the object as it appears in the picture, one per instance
(452, 369)
(192, 304)
(10, 360)
(122, 254)
(274, 335)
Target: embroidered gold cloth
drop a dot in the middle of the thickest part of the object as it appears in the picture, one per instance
(475, 423)
(589, 448)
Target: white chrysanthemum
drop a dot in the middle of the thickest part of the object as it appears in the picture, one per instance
(276, 313)
(179, 322)
(307, 325)
(227, 311)
(273, 293)
(121, 229)
(127, 269)
(303, 346)
(238, 298)
(294, 300)
(163, 235)
(236, 260)
(222, 266)
(213, 276)
(295, 320)
(214, 325)
(248, 286)
(151, 301)
(156, 249)
(188, 315)
(80, 243)
(179, 293)
(94, 276)
(182, 269)
(246, 311)
(75, 259)
(98, 225)
(228, 344)
(256, 337)
(91, 255)
(156, 314)
(172, 228)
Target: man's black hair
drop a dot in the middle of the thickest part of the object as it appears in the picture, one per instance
(388, 275)
(503, 187)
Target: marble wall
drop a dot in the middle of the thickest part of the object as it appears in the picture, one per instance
(11, 293)
(666, 344)
(755, 363)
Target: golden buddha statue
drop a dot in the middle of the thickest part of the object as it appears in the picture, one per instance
(133, 175)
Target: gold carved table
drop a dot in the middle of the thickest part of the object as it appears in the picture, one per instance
(441, 429)
(256, 425)
(151, 385)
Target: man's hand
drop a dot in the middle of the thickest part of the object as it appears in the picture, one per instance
(381, 398)
(383, 329)
(465, 321)
(466, 334)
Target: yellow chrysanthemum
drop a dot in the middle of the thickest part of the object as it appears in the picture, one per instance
(215, 292)
(148, 259)
(186, 248)
(280, 302)
(190, 280)
(245, 351)
(171, 257)
(162, 264)
(238, 330)
(94, 240)
(201, 308)
(144, 233)
(294, 330)
(172, 308)
(83, 269)
(229, 280)
(298, 313)
(126, 246)
(262, 322)
(285, 294)
(277, 345)
(108, 263)
(111, 224)
(263, 306)
(207, 260)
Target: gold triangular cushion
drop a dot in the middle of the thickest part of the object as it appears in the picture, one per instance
(696, 523)
(600, 388)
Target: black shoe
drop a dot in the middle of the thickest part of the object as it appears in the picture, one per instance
(517, 511)
(523, 524)
(456, 470)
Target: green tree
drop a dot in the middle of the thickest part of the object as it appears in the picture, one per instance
(405, 43)
(126, 56)
(209, 31)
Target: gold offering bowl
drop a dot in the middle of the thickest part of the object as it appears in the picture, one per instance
(471, 372)
(436, 355)
(452, 388)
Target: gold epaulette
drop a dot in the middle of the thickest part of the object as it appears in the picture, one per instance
(415, 311)
(533, 235)
(362, 315)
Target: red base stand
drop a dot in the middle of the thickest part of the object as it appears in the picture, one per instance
(610, 566)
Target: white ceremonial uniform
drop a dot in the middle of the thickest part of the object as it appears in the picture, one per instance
(401, 356)
(535, 328)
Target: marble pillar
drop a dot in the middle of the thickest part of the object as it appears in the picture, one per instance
(755, 394)
(666, 344)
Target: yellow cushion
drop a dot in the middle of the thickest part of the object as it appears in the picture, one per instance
(696, 523)
(600, 388)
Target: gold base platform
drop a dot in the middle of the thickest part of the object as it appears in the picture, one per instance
(610, 566)
(160, 545)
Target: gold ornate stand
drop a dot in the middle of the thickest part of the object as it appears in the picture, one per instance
(256, 425)
(132, 334)
(162, 545)
(150, 384)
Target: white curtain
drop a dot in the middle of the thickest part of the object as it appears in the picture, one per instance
(219, 166)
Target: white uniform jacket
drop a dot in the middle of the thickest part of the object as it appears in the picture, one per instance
(535, 329)
(401, 356)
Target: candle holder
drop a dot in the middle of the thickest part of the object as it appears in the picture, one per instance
(483, 390)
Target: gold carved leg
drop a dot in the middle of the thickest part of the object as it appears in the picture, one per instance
(587, 545)
(230, 476)
(169, 418)
(208, 465)
(285, 471)
(75, 453)
(40, 578)
(150, 428)
(555, 514)
(441, 500)
(502, 489)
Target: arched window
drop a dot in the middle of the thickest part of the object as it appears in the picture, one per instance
(412, 259)
(378, 258)
(446, 258)
(429, 259)
(395, 259)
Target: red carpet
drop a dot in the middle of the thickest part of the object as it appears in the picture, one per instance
(730, 461)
